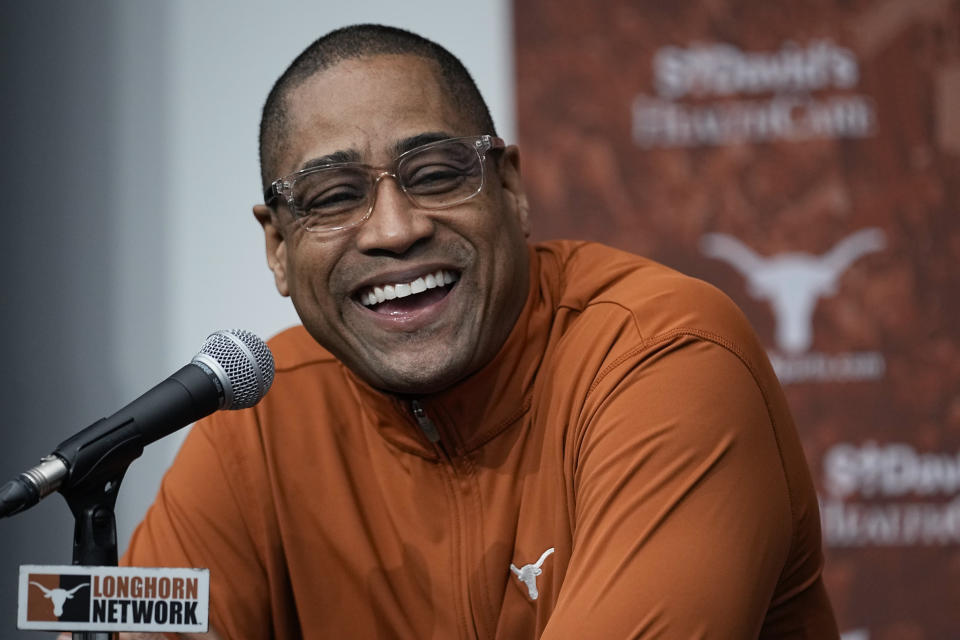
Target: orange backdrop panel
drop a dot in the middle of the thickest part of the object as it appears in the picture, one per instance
(805, 158)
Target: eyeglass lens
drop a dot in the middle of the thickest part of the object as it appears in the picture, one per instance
(434, 177)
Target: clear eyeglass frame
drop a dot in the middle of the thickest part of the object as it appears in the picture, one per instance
(283, 188)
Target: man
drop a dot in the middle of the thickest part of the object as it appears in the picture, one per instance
(470, 436)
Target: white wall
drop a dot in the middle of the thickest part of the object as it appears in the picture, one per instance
(220, 60)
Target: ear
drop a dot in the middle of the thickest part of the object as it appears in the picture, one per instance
(513, 186)
(276, 246)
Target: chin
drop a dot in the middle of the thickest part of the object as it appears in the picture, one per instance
(417, 378)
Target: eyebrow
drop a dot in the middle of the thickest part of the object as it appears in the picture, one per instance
(352, 155)
(344, 155)
(419, 140)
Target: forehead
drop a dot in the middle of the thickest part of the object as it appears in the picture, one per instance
(366, 105)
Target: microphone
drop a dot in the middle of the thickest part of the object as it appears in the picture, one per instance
(233, 370)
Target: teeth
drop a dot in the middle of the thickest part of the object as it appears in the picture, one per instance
(378, 294)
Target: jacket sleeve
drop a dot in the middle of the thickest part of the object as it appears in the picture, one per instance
(683, 521)
(201, 519)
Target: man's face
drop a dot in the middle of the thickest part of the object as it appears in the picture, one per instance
(424, 342)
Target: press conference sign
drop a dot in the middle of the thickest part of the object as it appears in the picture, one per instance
(74, 598)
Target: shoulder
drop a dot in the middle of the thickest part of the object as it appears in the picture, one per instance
(649, 302)
(630, 331)
(621, 319)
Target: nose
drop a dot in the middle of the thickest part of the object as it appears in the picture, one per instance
(394, 224)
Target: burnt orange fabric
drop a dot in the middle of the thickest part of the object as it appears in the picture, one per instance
(631, 423)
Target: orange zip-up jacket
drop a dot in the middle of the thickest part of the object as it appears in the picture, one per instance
(626, 467)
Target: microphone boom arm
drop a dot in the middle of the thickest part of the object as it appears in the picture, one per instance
(110, 444)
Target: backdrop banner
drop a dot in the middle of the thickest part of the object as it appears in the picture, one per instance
(805, 158)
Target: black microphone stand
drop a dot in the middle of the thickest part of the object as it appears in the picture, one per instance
(92, 497)
(95, 529)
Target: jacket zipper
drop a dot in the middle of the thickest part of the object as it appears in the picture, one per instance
(424, 422)
(432, 434)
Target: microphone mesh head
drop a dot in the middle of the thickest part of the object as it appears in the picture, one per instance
(243, 364)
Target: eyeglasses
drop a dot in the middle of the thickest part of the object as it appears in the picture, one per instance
(339, 196)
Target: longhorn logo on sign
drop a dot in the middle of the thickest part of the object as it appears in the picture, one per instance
(58, 597)
(54, 597)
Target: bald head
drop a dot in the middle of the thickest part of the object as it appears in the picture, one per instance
(360, 41)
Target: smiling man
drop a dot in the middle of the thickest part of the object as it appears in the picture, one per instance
(472, 436)
(333, 257)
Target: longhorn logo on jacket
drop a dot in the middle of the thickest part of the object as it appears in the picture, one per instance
(527, 574)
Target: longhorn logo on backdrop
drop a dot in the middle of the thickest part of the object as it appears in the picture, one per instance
(720, 71)
(793, 283)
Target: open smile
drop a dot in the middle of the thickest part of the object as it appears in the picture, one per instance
(408, 297)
